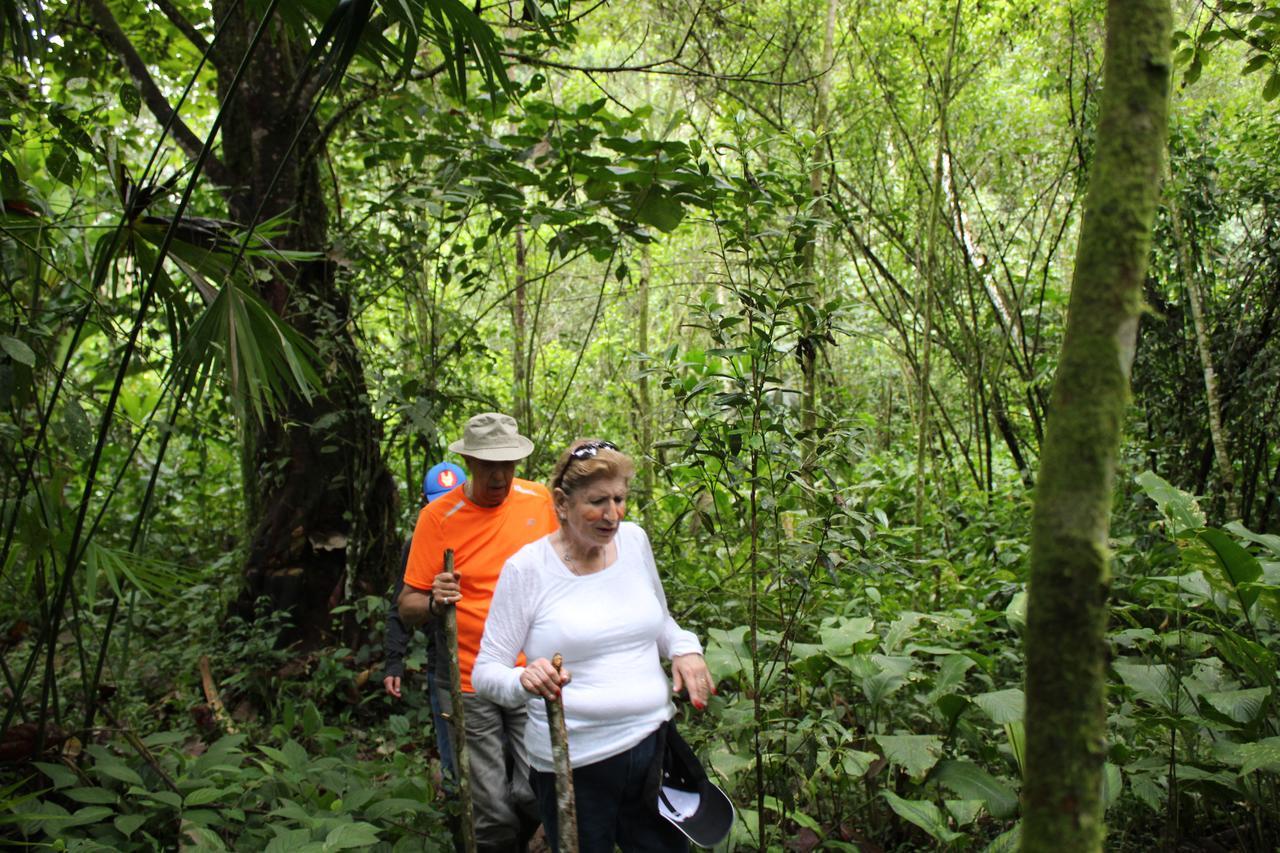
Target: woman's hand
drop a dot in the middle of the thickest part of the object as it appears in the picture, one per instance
(541, 679)
(689, 672)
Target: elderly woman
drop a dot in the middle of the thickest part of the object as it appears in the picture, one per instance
(591, 592)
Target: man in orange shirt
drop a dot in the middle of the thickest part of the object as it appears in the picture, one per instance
(488, 519)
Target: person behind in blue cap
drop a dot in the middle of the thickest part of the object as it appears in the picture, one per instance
(439, 481)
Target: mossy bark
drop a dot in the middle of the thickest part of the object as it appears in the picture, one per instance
(1067, 613)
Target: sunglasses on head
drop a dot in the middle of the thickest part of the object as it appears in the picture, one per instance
(588, 449)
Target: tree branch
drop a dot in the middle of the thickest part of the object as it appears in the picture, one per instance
(155, 100)
(184, 26)
(671, 67)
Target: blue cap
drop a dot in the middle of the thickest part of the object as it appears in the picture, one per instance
(441, 479)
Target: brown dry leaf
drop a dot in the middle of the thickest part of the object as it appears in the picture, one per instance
(804, 841)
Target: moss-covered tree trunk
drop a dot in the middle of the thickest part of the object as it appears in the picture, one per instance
(1067, 613)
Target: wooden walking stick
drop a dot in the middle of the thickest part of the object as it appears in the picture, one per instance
(457, 720)
(566, 810)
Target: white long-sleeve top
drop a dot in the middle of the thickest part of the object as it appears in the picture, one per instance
(610, 626)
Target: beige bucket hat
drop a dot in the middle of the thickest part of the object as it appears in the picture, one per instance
(492, 437)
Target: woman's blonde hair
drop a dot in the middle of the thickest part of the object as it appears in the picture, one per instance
(586, 459)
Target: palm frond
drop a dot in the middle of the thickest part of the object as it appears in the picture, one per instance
(123, 571)
(264, 358)
(456, 30)
(338, 40)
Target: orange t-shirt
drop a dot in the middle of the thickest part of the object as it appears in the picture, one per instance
(482, 540)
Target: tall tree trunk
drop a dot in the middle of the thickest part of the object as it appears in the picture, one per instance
(645, 413)
(521, 393)
(1070, 575)
(931, 276)
(321, 502)
(1217, 430)
(811, 335)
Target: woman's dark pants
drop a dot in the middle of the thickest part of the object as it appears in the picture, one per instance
(612, 806)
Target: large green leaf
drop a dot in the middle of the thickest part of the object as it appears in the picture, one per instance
(1016, 733)
(1258, 662)
(1243, 706)
(394, 807)
(880, 686)
(1237, 565)
(1260, 755)
(108, 767)
(971, 782)
(727, 653)
(900, 630)
(841, 636)
(1112, 785)
(348, 836)
(1152, 683)
(855, 763)
(1007, 842)
(1016, 613)
(659, 209)
(288, 840)
(923, 814)
(17, 350)
(964, 812)
(1002, 706)
(1270, 541)
(1179, 509)
(880, 675)
(914, 753)
(730, 765)
(951, 673)
(92, 796)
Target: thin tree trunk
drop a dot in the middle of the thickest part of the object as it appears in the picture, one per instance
(812, 335)
(645, 415)
(930, 280)
(519, 368)
(1217, 430)
(1010, 437)
(1070, 574)
(1273, 490)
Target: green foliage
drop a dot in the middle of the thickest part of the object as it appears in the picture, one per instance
(869, 693)
(1255, 26)
(226, 795)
